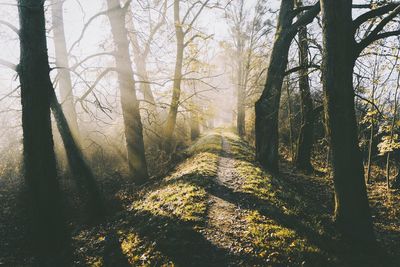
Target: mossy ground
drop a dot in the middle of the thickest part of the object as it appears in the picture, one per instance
(193, 217)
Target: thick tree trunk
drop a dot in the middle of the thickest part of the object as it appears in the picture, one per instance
(130, 105)
(352, 214)
(267, 107)
(305, 139)
(45, 211)
(64, 75)
(176, 90)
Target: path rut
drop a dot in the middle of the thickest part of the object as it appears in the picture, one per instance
(226, 221)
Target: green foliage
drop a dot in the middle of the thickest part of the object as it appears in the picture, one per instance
(390, 139)
(370, 117)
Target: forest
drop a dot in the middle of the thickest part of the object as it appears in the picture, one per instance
(199, 133)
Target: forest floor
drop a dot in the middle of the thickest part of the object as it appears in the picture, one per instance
(219, 208)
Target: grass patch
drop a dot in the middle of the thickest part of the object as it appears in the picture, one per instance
(179, 200)
(277, 244)
(181, 195)
(210, 142)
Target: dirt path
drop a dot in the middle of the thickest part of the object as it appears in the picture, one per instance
(226, 220)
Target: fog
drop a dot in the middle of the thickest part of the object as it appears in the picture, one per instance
(213, 80)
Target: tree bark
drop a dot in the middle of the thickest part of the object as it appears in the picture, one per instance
(64, 75)
(267, 107)
(45, 207)
(290, 117)
(241, 100)
(352, 214)
(305, 139)
(130, 105)
(241, 89)
(176, 90)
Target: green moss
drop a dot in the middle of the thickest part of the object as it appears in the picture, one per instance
(276, 243)
(140, 253)
(182, 195)
(208, 143)
(179, 200)
(199, 167)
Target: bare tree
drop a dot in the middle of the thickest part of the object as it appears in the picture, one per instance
(62, 62)
(129, 102)
(305, 139)
(352, 213)
(48, 228)
(267, 107)
(183, 26)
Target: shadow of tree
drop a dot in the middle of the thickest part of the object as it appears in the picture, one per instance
(184, 244)
(178, 240)
(112, 254)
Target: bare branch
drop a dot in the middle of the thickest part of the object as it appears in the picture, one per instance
(374, 35)
(101, 76)
(8, 64)
(87, 24)
(373, 13)
(10, 26)
(196, 16)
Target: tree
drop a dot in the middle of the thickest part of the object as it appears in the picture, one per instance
(352, 214)
(237, 16)
(305, 139)
(66, 118)
(267, 107)
(48, 228)
(341, 51)
(76, 160)
(64, 75)
(141, 52)
(182, 28)
(130, 105)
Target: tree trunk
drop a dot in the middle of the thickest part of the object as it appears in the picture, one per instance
(392, 133)
(371, 134)
(45, 207)
(352, 214)
(371, 140)
(305, 139)
(267, 107)
(241, 90)
(141, 66)
(290, 117)
(130, 105)
(64, 75)
(176, 90)
(194, 125)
